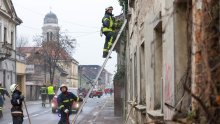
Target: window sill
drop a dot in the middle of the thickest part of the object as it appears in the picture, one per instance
(141, 107)
(132, 103)
(155, 114)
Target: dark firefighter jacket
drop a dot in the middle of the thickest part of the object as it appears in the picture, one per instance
(16, 102)
(43, 90)
(108, 23)
(4, 92)
(65, 100)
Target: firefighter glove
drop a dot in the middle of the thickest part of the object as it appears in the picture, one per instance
(66, 111)
(21, 97)
(80, 99)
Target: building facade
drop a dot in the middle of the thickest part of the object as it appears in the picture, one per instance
(39, 63)
(88, 73)
(21, 72)
(170, 61)
(8, 23)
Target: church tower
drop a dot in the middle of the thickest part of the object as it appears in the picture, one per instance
(50, 28)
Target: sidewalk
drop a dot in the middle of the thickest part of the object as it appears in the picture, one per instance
(106, 114)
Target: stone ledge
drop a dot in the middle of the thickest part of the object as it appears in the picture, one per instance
(156, 114)
(141, 107)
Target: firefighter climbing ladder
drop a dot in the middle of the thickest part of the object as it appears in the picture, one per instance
(100, 71)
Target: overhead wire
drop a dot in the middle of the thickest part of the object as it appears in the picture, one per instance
(68, 22)
(84, 34)
(73, 32)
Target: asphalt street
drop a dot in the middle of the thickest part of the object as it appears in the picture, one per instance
(40, 115)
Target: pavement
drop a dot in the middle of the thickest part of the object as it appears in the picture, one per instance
(106, 114)
(95, 111)
(103, 114)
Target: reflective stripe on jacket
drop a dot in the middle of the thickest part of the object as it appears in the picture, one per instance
(2, 91)
(108, 23)
(65, 101)
(43, 90)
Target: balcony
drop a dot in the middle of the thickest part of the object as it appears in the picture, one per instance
(5, 51)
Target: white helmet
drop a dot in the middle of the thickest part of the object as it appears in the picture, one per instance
(13, 87)
(64, 85)
(107, 8)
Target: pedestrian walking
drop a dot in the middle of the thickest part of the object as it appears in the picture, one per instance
(65, 101)
(16, 101)
(50, 91)
(43, 92)
(111, 91)
(3, 92)
(1, 106)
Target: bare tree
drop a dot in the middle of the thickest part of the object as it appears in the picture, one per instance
(55, 50)
(22, 41)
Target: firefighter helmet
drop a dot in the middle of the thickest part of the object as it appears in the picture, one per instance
(13, 87)
(64, 85)
(108, 8)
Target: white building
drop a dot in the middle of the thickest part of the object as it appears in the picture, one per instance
(8, 22)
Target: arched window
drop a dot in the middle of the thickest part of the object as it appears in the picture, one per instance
(51, 36)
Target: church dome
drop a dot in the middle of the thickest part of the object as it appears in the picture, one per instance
(50, 18)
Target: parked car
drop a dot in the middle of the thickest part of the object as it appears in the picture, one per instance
(75, 106)
(107, 90)
(96, 93)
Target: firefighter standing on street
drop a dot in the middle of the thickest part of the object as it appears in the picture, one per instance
(50, 91)
(65, 101)
(3, 91)
(108, 27)
(43, 92)
(1, 106)
(16, 101)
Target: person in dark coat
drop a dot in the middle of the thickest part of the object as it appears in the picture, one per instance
(16, 102)
(1, 106)
(65, 101)
(43, 92)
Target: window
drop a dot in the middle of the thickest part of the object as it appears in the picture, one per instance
(1, 32)
(142, 76)
(47, 36)
(12, 38)
(158, 51)
(5, 35)
(135, 76)
(131, 80)
(181, 51)
(51, 36)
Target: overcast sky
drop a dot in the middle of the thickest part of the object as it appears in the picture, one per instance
(81, 18)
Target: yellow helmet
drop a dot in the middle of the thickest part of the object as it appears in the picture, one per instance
(63, 85)
(108, 8)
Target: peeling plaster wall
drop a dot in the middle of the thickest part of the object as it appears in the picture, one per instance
(145, 16)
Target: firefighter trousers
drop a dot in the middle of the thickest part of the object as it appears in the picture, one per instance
(64, 119)
(17, 120)
(1, 114)
(50, 96)
(43, 97)
(109, 39)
